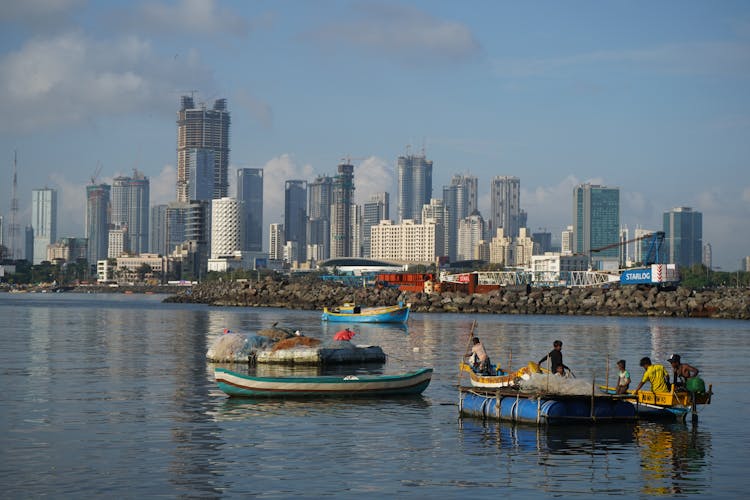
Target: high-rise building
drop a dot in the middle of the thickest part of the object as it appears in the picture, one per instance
(200, 173)
(200, 128)
(341, 212)
(567, 241)
(460, 199)
(683, 236)
(28, 243)
(470, 232)
(226, 227)
(414, 177)
(276, 240)
(250, 193)
(43, 221)
(707, 256)
(373, 211)
(319, 200)
(745, 264)
(97, 221)
(505, 202)
(437, 211)
(130, 209)
(596, 216)
(295, 216)
(118, 242)
(157, 242)
(2, 229)
(542, 242)
(407, 241)
(356, 230)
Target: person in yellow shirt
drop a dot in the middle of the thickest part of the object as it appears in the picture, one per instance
(656, 375)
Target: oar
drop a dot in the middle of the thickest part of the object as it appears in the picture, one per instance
(466, 353)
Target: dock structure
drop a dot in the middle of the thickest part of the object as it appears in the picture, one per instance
(543, 408)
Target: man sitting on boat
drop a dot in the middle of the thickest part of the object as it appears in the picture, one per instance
(480, 359)
(682, 371)
(656, 375)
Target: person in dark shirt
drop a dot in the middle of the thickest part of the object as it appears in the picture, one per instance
(555, 357)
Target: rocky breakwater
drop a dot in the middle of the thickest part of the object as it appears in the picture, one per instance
(299, 294)
(728, 303)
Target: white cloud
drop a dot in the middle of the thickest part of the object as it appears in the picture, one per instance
(71, 205)
(163, 186)
(275, 173)
(38, 14)
(699, 58)
(71, 78)
(194, 17)
(373, 175)
(402, 32)
(257, 108)
(549, 207)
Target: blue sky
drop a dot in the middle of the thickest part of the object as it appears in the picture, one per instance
(650, 97)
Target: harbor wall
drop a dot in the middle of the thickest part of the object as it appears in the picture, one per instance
(637, 300)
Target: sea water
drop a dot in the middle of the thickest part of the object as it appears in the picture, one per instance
(111, 395)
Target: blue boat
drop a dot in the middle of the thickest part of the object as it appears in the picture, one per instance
(238, 384)
(350, 313)
(516, 406)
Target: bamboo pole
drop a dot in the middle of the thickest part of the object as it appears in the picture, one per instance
(466, 353)
(607, 379)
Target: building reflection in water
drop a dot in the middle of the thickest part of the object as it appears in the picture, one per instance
(196, 438)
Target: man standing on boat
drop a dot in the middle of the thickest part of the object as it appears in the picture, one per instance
(482, 360)
(555, 357)
(656, 375)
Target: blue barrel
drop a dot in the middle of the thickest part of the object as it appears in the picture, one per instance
(546, 410)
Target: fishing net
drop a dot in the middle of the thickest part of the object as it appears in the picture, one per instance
(295, 342)
(555, 384)
(231, 347)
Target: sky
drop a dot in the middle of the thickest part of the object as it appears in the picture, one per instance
(650, 97)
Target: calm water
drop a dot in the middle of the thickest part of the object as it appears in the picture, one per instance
(112, 395)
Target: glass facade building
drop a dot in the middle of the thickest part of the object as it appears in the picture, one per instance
(596, 216)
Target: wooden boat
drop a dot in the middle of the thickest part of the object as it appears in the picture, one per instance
(355, 314)
(502, 379)
(665, 405)
(237, 384)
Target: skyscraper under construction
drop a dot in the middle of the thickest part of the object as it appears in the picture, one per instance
(202, 134)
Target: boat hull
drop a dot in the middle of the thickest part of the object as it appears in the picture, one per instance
(390, 314)
(498, 381)
(236, 384)
(675, 405)
(544, 410)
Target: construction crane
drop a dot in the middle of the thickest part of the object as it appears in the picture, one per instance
(96, 173)
(654, 253)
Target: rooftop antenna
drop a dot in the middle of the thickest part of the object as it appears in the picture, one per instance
(13, 228)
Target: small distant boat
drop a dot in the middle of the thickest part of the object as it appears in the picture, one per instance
(237, 384)
(355, 314)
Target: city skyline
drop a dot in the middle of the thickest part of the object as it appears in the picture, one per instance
(648, 98)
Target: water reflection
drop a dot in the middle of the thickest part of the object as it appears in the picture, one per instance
(673, 458)
(567, 439)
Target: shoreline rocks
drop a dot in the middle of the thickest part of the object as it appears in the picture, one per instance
(636, 300)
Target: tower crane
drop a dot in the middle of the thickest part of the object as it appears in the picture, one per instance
(95, 175)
